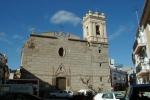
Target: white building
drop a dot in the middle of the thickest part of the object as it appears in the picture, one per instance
(119, 77)
(141, 47)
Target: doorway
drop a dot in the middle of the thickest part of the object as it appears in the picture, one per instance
(61, 83)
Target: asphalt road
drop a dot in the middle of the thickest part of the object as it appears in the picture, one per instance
(74, 98)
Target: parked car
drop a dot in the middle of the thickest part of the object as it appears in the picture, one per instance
(16, 88)
(138, 92)
(19, 96)
(109, 96)
(86, 92)
(70, 93)
(61, 93)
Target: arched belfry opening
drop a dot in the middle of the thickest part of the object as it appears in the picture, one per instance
(97, 30)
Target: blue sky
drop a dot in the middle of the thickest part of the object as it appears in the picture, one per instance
(18, 18)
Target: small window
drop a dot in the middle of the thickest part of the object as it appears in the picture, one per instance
(101, 79)
(99, 50)
(88, 44)
(87, 30)
(115, 78)
(61, 52)
(97, 30)
(100, 64)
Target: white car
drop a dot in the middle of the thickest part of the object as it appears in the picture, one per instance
(70, 93)
(108, 96)
(85, 92)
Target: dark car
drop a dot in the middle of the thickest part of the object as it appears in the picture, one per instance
(19, 96)
(138, 92)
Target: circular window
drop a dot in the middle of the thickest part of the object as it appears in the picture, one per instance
(61, 51)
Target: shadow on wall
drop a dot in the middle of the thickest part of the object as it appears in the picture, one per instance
(44, 87)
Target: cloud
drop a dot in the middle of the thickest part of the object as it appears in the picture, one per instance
(16, 36)
(4, 39)
(118, 32)
(32, 29)
(63, 16)
(2, 34)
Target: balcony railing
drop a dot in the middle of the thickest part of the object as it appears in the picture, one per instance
(97, 39)
(138, 44)
(143, 67)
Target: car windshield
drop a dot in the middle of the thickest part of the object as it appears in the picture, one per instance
(119, 95)
(108, 95)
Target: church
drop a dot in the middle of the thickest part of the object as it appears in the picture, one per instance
(64, 61)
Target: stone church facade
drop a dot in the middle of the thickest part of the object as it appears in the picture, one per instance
(65, 61)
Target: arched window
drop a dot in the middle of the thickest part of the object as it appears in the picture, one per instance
(97, 30)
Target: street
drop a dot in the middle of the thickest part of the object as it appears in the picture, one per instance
(76, 97)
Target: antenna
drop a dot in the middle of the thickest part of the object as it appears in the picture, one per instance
(136, 10)
(137, 17)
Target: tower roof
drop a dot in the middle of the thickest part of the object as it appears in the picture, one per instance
(96, 15)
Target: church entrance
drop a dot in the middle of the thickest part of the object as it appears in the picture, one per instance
(61, 83)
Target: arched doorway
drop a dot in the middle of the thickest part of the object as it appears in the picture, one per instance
(61, 83)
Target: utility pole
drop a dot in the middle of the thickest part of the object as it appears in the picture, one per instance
(137, 17)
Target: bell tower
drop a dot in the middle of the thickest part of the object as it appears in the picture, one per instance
(94, 27)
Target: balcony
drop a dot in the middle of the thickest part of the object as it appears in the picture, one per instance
(138, 45)
(138, 68)
(143, 68)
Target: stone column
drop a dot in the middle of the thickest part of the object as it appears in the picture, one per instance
(90, 38)
(84, 32)
(105, 33)
(90, 29)
(94, 29)
(102, 30)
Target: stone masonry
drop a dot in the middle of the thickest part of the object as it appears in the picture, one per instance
(65, 61)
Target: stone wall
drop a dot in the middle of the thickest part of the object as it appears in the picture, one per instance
(83, 64)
